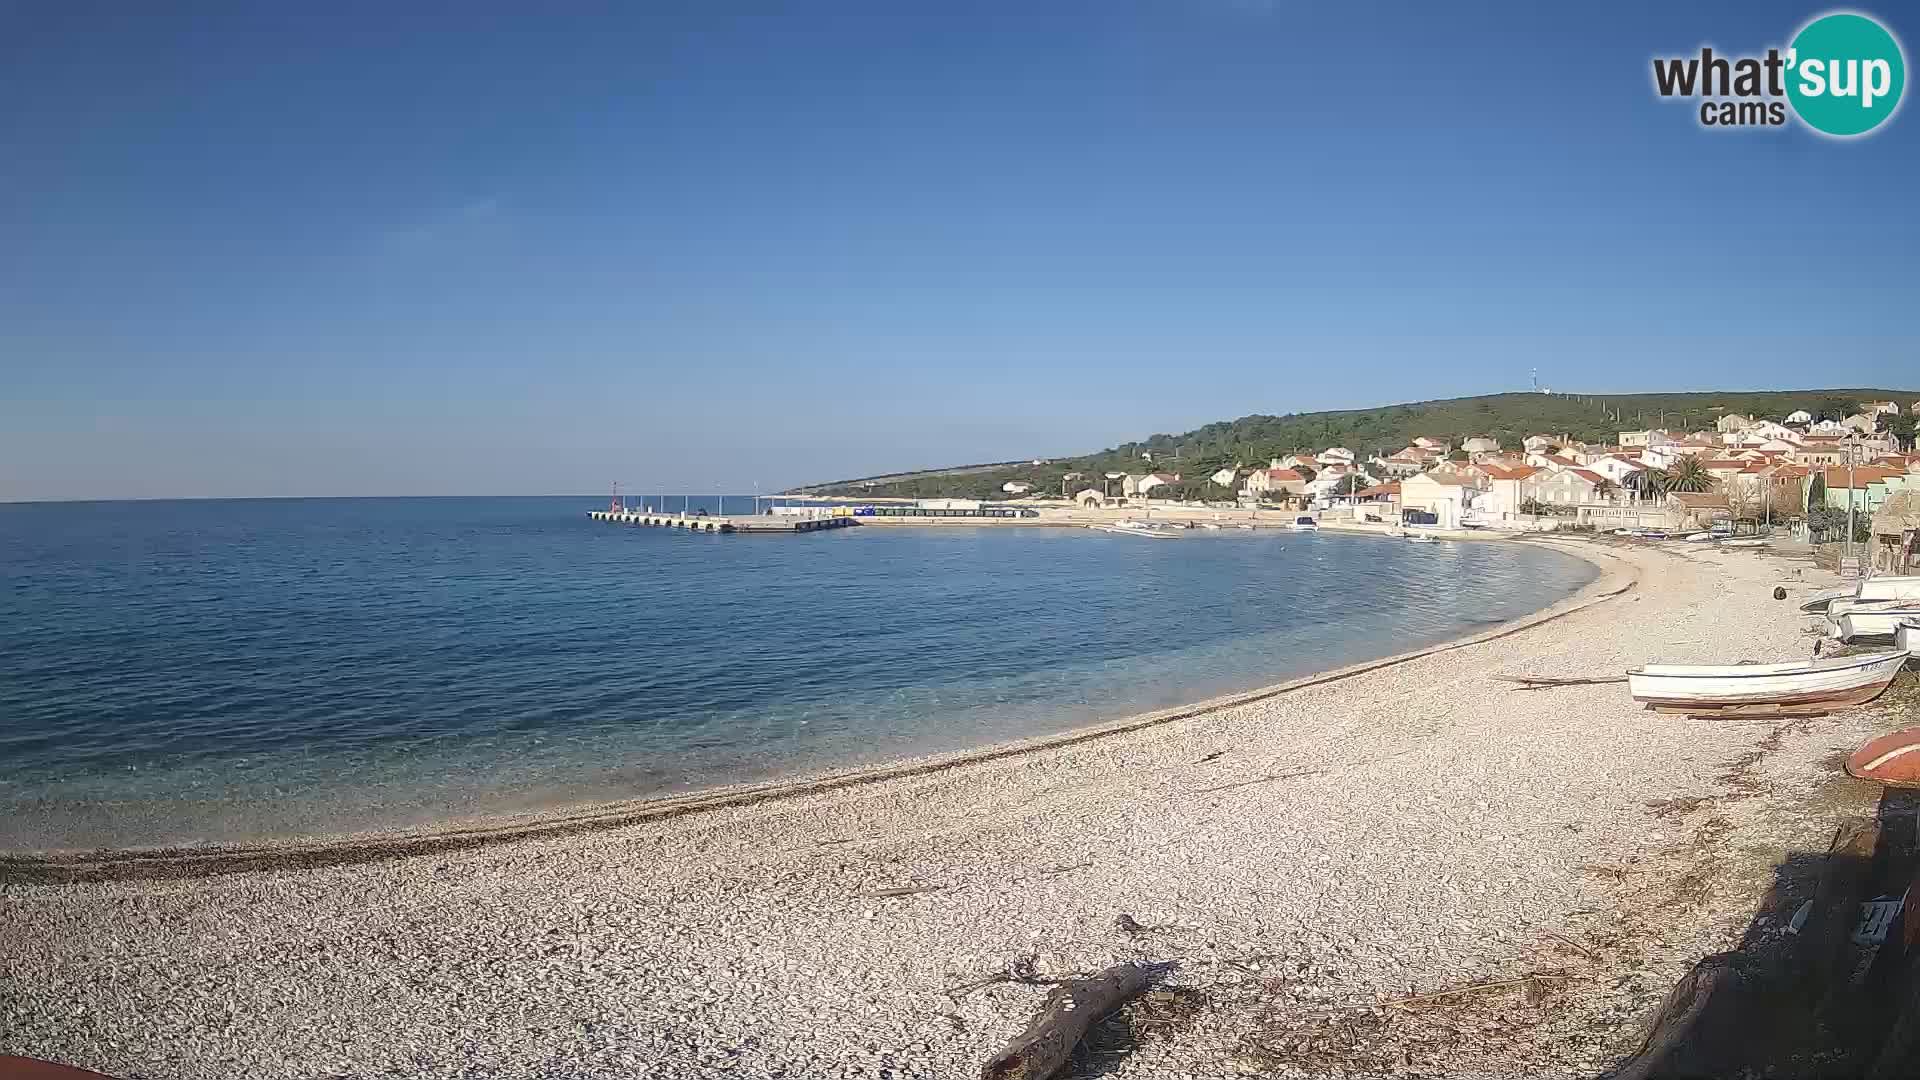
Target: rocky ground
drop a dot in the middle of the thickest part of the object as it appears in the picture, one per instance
(1417, 870)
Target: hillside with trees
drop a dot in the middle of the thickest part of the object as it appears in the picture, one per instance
(1252, 440)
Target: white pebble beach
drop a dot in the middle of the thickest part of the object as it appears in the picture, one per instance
(1308, 863)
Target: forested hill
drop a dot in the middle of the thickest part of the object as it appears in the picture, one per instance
(1254, 439)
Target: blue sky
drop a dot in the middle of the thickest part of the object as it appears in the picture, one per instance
(708, 246)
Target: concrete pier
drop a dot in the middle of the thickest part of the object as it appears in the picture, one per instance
(758, 523)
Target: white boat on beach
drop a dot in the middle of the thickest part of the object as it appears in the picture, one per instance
(1698, 538)
(1795, 688)
(1135, 528)
(1907, 638)
(1303, 523)
(1870, 618)
(1744, 542)
(1905, 587)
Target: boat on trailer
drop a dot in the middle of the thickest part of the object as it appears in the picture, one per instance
(1795, 688)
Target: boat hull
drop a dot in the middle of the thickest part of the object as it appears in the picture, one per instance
(1804, 689)
(1859, 622)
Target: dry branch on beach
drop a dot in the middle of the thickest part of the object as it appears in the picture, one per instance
(1063, 1019)
(1543, 682)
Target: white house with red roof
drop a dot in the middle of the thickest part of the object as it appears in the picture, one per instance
(1618, 468)
(1561, 487)
(1274, 481)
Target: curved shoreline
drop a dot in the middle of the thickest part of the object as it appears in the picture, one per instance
(1617, 577)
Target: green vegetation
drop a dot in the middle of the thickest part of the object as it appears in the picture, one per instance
(1252, 440)
(1687, 474)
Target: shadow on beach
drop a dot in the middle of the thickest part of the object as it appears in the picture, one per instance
(1805, 994)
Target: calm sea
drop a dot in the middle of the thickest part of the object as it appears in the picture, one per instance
(208, 671)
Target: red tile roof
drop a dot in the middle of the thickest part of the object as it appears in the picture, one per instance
(1587, 475)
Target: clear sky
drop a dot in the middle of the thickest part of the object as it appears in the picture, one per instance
(700, 246)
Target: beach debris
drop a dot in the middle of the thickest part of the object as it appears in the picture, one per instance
(1799, 919)
(1893, 760)
(1063, 1019)
(1268, 778)
(1779, 592)
(1542, 682)
(1125, 923)
(1215, 756)
(1702, 1028)
(1023, 969)
(1876, 919)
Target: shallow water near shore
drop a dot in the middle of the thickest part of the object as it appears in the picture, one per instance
(190, 672)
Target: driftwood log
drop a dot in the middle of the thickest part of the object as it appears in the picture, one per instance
(1705, 1027)
(1062, 1021)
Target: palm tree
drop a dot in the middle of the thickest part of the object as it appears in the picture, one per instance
(1686, 475)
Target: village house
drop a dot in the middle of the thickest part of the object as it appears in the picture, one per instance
(1335, 455)
(1618, 468)
(1439, 447)
(1016, 487)
(1799, 416)
(1828, 427)
(1323, 487)
(1542, 460)
(1561, 487)
(1503, 495)
(1303, 462)
(1380, 500)
(1444, 495)
(1400, 464)
(1764, 431)
(1663, 455)
(1275, 482)
(1733, 422)
(1868, 486)
(1880, 408)
(1697, 509)
(1640, 440)
(1089, 499)
(1864, 423)
(1820, 450)
(1136, 485)
(1896, 534)
(1542, 442)
(1481, 444)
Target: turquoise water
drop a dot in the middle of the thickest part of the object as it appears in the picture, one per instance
(211, 671)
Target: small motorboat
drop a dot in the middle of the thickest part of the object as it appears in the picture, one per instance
(1419, 538)
(1907, 637)
(1797, 688)
(1210, 525)
(1135, 528)
(1303, 523)
(1870, 618)
(1744, 542)
(1245, 526)
(1698, 538)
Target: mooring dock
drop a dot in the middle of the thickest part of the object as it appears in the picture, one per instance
(759, 523)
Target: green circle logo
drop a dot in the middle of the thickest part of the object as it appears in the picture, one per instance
(1845, 73)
